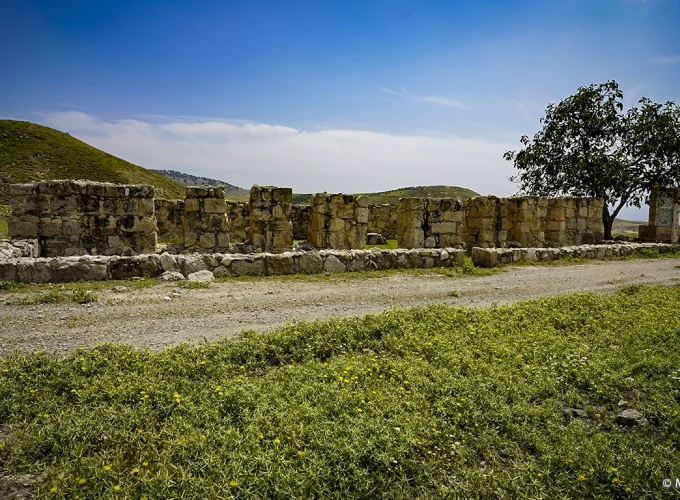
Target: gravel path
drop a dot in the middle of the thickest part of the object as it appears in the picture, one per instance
(146, 318)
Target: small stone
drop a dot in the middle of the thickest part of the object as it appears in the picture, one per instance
(120, 289)
(167, 298)
(201, 277)
(629, 418)
(171, 276)
(575, 412)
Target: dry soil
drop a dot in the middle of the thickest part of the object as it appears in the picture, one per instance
(165, 315)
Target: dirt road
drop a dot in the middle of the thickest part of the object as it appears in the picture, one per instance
(164, 315)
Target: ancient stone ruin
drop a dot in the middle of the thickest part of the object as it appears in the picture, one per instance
(664, 206)
(169, 218)
(239, 220)
(206, 224)
(338, 221)
(382, 219)
(78, 218)
(300, 216)
(270, 227)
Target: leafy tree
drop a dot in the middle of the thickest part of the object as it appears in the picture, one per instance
(589, 146)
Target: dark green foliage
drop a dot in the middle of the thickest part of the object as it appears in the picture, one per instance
(590, 146)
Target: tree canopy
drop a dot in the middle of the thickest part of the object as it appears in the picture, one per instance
(589, 146)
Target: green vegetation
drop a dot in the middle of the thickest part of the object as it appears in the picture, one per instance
(232, 192)
(84, 296)
(5, 212)
(589, 146)
(76, 287)
(55, 296)
(626, 227)
(31, 152)
(453, 293)
(426, 402)
(194, 285)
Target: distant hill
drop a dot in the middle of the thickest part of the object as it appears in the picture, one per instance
(394, 195)
(626, 226)
(30, 152)
(232, 192)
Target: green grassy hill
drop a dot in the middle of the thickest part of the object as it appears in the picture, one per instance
(231, 192)
(394, 195)
(30, 152)
(626, 226)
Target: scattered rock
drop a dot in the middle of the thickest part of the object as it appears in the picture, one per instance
(171, 276)
(575, 412)
(629, 418)
(201, 277)
(167, 298)
(120, 289)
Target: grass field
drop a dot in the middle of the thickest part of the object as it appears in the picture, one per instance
(433, 402)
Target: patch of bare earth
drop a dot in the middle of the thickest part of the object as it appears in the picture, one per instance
(165, 315)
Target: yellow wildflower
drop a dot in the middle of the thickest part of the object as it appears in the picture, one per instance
(107, 467)
(233, 482)
(116, 487)
(277, 441)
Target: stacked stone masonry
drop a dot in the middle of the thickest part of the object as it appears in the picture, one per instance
(338, 221)
(484, 221)
(90, 268)
(429, 223)
(382, 219)
(664, 208)
(78, 218)
(206, 225)
(574, 221)
(169, 218)
(239, 220)
(530, 221)
(300, 216)
(270, 227)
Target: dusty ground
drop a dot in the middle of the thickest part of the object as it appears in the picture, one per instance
(146, 318)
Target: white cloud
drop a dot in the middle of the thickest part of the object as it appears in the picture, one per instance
(306, 160)
(666, 59)
(442, 101)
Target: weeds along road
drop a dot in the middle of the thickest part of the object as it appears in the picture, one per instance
(164, 315)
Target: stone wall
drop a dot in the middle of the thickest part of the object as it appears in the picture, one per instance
(89, 267)
(169, 218)
(239, 220)
(574, 221)
(429, 223)
(338, 221)
(530, 221)
(664, 205)
(78, 217)
(206, 225)
(382, 219)
(484, 221)
(525, 221)
(300, 216)
(270, 227)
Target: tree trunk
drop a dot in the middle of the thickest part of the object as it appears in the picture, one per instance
(607, 221)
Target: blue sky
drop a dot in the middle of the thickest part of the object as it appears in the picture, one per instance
(335, 96)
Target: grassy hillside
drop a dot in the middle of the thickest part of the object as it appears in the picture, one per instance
(232, 192)
(394, 195)
(626, 226)
(31, 152)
